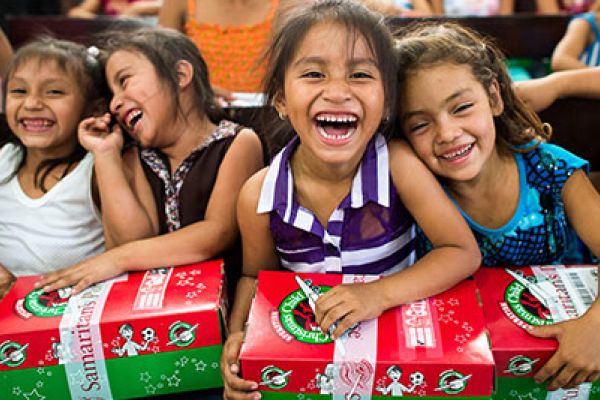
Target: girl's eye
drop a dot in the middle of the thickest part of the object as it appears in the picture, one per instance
(463, 107)
(361, 75)
(123, 80)
(56, 92)
(417, 128)
(17, 91)
(312, 74)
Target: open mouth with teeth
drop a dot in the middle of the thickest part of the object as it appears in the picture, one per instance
(132, 118)
(458, 153)
(36, 124)
(336, 128)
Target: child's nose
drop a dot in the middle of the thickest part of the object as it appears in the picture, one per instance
(447, 131)
(115, 104)
(337, 90)
(33, 101)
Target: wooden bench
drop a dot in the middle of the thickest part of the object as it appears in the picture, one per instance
(22, 29)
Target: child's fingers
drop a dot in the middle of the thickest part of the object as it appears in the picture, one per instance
(548, 370)
(564, 378)
(579, 378)
(344, 324)
(593, 377)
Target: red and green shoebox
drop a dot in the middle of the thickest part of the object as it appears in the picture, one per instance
(511, 304)
(142, 334)
(431, 348)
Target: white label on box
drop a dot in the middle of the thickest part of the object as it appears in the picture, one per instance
(581, 392)
(81, 349)
(151, 294)
(573, 289)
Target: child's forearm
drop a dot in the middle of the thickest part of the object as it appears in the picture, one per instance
(438, 271)
(241, 306)
(578, 83)
(123, 216)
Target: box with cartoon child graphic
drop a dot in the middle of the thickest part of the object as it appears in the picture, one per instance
(514, 299)
(142, 334)
(430, 348)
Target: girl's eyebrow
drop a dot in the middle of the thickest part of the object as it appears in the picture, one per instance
(320, 61)
(43, 82)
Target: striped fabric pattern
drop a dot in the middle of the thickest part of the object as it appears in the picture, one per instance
(591, 54)
(370, 232)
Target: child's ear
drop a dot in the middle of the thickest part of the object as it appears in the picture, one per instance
(279, 104)
(185, 73)
(496, 99)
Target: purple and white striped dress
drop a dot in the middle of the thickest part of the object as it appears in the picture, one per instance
(370, 232)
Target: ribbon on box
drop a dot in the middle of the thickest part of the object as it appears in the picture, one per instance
(81, 347)
(355, 356)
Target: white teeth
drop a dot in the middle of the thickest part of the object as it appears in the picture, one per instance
(336, 118)
(131, 117)
(459, 153)
(335, 137)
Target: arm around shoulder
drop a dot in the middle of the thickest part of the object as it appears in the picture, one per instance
(455, 254)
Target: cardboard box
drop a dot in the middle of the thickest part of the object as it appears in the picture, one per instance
(510, 307)
(430, 348)
(142, 334)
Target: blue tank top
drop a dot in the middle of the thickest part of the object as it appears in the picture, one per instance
(538, 232)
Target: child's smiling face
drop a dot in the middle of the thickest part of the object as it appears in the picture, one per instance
(44, 104)
(448, 117)
(333, 95)
(140, 99)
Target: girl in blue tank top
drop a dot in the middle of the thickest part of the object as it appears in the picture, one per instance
(340, 198)
(522, 197)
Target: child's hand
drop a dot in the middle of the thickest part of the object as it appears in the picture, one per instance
(83, 274)
(235, 387)
(348, 305)
(6, 280)
(95, 135)
(577, 358)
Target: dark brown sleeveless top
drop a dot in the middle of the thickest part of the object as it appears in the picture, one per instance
(181, 199)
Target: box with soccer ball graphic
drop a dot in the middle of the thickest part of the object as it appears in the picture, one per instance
(141, 334)
(517, 298)
(430, 348)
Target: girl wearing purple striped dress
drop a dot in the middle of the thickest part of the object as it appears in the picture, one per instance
(340, 198)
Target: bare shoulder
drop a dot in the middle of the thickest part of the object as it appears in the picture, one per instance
(250, 192)
(248, 138)
(401, 154)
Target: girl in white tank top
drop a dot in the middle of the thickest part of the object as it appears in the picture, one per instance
(49, 217)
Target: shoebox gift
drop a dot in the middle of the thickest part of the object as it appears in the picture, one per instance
(518, 298)
(430, 348)
(141, 334)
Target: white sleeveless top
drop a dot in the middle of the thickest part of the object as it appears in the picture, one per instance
(57, 230)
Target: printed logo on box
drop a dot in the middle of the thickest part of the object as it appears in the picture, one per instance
(297, 319)
(520, 365)
(12, 354)
(182, 334)
(40, 304)
(452, 382)
(522, 307)
(274, 377)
